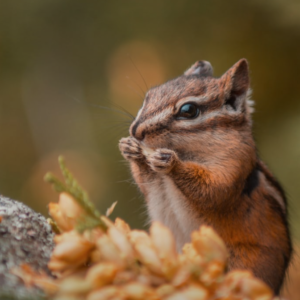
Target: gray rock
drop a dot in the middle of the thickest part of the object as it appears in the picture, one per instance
(25, 237)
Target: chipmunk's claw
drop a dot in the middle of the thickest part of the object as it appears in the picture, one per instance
(162, 160)
(130, 148)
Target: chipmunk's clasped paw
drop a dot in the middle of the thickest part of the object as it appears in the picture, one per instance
(130, 148)
(162, 160)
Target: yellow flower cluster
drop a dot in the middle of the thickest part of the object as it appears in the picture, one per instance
(119, 263)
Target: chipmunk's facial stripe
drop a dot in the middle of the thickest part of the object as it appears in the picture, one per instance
(214, 122)
(152, 122)
(159, 117)
(256, 178)
(276, 207)
(252, 182)
(208, 100)
(273, 182)
(156, 114)
(196, 100)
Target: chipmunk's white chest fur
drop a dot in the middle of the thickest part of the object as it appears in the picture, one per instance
(168, 205)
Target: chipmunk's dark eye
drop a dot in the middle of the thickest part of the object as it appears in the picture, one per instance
(188, 111)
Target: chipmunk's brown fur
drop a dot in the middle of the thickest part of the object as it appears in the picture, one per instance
(205, 170)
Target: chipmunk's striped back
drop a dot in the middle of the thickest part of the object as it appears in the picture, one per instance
(192, 153)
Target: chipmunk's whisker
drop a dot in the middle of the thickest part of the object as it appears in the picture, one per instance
(133, 89)
(119, 111)
(137, 69)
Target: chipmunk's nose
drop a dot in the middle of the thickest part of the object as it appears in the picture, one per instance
(138, 131)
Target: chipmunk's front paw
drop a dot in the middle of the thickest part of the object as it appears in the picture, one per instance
(162, 160)
(130, 148)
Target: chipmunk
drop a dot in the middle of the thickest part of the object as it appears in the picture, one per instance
(193, 156)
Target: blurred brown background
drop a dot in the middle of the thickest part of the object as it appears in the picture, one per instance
(60, 60)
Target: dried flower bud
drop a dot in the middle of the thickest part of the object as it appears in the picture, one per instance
(121, 241)
(145, 250)
(208, 244)
(110, 210)
(66, 212)
(165, 246)
(72, 249)
(102, 274)
(95, 256)
(123, 277)
(165, 290)
(243, 284)
(212, 272)
(74, 285)
(163, 241)
(31, 277)
(192, 292)
(140, 236)
(190, 255)
(56, 214)
(108, 251)
(255, 289)
(182, 276)
(122, 225)
(148, 256)
(137, 291)
(105, 293)
(127, 264)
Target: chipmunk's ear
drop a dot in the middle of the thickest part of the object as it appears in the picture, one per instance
(200, 68)
(235, 84)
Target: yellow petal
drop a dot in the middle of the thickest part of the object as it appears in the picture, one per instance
(121, 241)
(140, 236)
(68, 297)
(95, 256)
(124, 277)
(56, 214)
(256, 289)
(69, 207)
(105, 293)
(165, 246)
(137, 291)
(30, 277)
(192, 292)
(147, 277)
(122, 225)
(101, 274)
(182, 276)
(72, 249)
(111, 209)
(74, 285)
(165, 290)
(148, 256)
(195, 292)
(66, 212)
(177, 296)
(163, 241)
(48, 286)
(208, 244)
(244, 284)
(212, 272)
(189, 254)
(57, 265)
(109, 251)
(107, 221)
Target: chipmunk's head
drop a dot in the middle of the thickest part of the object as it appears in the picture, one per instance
(195, 108)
